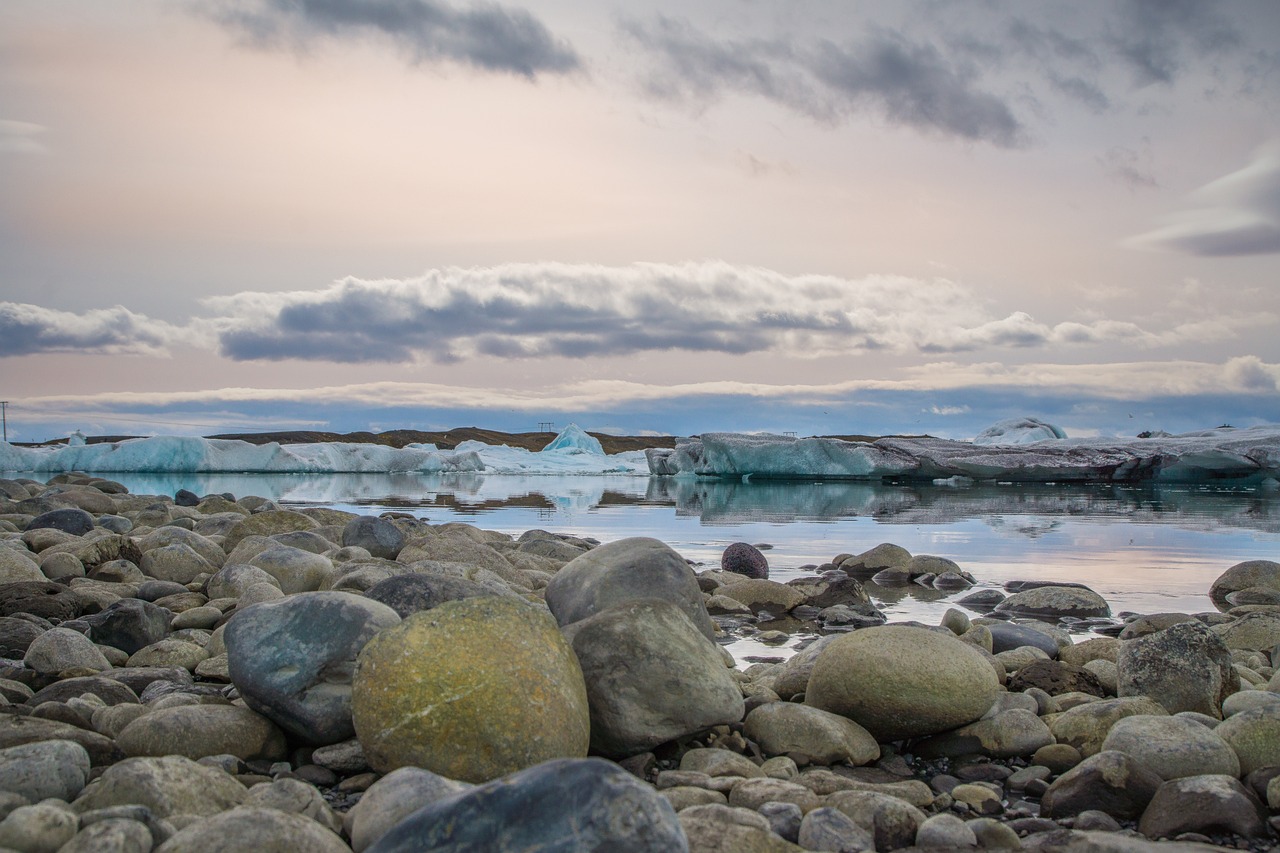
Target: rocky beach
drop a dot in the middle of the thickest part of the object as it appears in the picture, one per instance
(219, 672)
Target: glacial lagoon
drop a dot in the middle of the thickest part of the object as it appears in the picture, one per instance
(1145, 548)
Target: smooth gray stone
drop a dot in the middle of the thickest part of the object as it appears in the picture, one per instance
(51, 768)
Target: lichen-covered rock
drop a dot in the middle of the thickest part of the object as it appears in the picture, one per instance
(251, 828)
(783, 728)
(1110, 782)
(1208, 804)
(168, 785)
(1086, 726)
(1251, 573)
(1056, 602)
(1185, 667)
(1172, 747)
(195, 731)
(471, 690)
(901, 681)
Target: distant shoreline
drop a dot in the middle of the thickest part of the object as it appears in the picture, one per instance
(446, 440)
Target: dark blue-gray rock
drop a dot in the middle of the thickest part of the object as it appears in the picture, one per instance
(77, 522)
(982, 599)
(828, 828)
(376, 535)
(784, 819)
(406, 594)
(186, 497)
(1109, 781)
(842, 590)
(1185, 667)
(129, 624)
(559, 805)
(744, 559)
(651, 677)
(293, 659)
(1006, 636)
(623, 571)
(1207, 804)
(16, 636)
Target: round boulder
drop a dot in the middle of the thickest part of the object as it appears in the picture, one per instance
(902, 681)
(71, 520)
(376, 535)
(744, 559)
(1251, 573)
(1055, 602)
(650, 677)
(292, 659)
(1172, 747)
(623, 571)
(1185, 667)
(471, 690)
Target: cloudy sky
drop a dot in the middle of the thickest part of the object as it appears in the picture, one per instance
(820, 217)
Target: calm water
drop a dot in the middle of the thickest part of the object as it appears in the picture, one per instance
(1145, 549)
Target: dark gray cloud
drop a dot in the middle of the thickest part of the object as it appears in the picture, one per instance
(1238, 214)
(1156, 38)
(486, 36)
(910, 83)
(30, 329)
(582, 311)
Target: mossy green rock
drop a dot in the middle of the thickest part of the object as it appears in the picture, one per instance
(471, 690)
(902, 681)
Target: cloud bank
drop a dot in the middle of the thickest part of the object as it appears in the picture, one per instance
(582, 311)
(485, 36)
(29, 329)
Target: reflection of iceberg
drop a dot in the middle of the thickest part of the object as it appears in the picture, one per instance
(573, 452)
(1236, 456)
(728, 502)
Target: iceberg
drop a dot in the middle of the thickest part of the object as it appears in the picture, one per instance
(1223, 456)
(572, 452)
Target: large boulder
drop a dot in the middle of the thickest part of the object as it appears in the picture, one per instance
(1255, 737)
(471, 690)
(292, 659)
(565, 804)
(789, 728)
(378, 536)
(263, 830)
(197, 731)
(296, 570)
(71, 520)
(1172, 747)
(38, 771)
(267, 523)
(1086, 726)
(623, 571)
(902, 681)
(129, 624)
(1251, 573)
(1185, 667)
(60, 649)
(651, 677)
(1110, 782)
(1207, 804)
(1055, 602)
(410, 593)
(167, 786)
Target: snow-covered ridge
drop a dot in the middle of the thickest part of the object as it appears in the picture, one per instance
(1224, 455)
(572, 452)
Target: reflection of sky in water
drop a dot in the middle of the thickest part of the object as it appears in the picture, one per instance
(1144, 549)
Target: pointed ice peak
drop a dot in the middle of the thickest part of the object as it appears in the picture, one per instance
(573, 438)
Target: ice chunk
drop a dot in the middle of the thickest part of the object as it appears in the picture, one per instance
(573, 439)
(1223, 456)
(1018, 431)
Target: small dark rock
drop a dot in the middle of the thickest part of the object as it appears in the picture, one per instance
(744, 559)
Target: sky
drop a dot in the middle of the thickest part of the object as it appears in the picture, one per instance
(824, 218)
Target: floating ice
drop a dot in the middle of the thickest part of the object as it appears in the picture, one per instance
(1223, 456)
(573, 452)
(573, 439)
(1018, 431)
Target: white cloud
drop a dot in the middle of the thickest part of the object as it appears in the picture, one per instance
(1238, 214)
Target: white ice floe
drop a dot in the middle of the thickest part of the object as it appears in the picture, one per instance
(573, 452)
(1222, 456)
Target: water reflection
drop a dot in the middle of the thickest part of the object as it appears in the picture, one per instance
(1024, 510)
